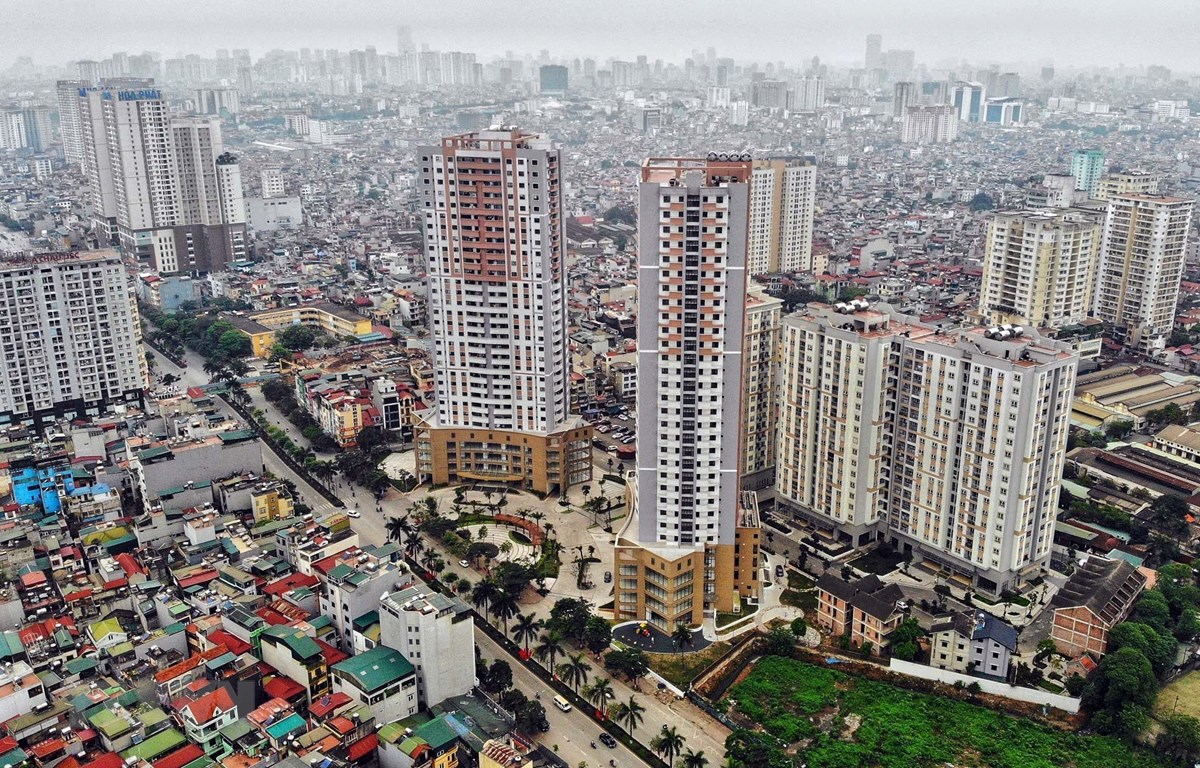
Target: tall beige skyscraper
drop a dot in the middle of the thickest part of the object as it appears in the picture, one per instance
(1141, 264)
(1039, 267)
(689, 546)
(950, 444)
(1127, 183)
(497, 309)
(783, 195)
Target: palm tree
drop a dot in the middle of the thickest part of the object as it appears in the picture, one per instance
(668, 743)
(574, 671)
(504, 607)
(629, 714)
(399, 529)
(526, 628)
(598, 692)
(680, 636)
(212, 368)
(483, 593)
(549, 649)
(693, 759)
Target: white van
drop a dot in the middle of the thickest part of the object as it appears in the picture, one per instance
(562, 704)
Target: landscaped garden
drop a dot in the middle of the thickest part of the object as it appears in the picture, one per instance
(825, 718)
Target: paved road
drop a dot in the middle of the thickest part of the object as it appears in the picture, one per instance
(194, 376)
(571, 731)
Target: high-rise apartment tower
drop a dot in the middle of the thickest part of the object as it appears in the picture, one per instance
(492, 202)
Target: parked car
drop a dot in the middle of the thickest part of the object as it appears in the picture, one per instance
(779, 572)
(607, 740)
(608, 577)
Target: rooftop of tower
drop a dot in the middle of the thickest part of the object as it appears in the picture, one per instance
(497, 138)
(720, 168)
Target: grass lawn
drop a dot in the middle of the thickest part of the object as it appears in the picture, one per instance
(1181, 696)
(850, 721)
(519, 538)
(801, 592)
(878, 561)
(680, 668)
(724, 618)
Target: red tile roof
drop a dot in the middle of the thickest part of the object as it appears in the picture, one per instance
(282, 688)
(205, 708)
(107, 760)
(328, 703)
(180, 757)
(363, 747)
(190, 663)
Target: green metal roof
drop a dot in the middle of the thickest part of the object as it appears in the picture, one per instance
(377, 668)
(13, 758)
(80, 665)
(109, 723)
(300, 644)
(236, 730)
(158, 744)
(237, 436)
(10, 644)
(153, 453)
(280, 730)
(437, 732)
(366, 620)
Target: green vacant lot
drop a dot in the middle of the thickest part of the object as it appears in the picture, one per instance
(857, 723)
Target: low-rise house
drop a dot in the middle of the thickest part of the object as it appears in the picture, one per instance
(382, 679)
(1099, 595)
(974, 643)
(204, 714)
(866, 611)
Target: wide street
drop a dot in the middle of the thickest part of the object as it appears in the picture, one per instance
(571, 733)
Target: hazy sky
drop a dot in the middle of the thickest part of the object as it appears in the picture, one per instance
(1067, 32)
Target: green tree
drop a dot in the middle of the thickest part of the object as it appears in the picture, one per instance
(681, 636)
(549, 648)
(574, 671)
(530, 716)
(1120, 693)
(1179, 739)
(693, 759)
(597, 634)
(1158, 648)
(1119, 430)
(668, 743)
(982, 202)
(630, 662)
(1169, 513)
(780, 642)
(629, 714)
(296, 338)
(497, 677)
(526, 628)
(745, 748)
(599, 692)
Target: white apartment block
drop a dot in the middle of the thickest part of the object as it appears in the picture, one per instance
(929, 125)
(691, 305)
(783, 196)
(155, 180)
(1039, 268)
(436, 634)
(1127, 183)
(759, 391)
(950, 443)
(1141, 264)
(497, 300)
(67, 93)
(70, 335)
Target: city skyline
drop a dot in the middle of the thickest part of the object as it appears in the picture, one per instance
(835, 32)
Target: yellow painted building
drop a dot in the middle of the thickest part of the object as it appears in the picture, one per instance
(329, 318)
(271, 504)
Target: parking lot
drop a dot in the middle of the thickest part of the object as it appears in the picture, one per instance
(609, 434)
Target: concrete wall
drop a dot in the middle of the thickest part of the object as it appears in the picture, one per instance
(1033, 695)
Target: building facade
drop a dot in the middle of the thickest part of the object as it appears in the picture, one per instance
(928, 125)
(880, 411)
(70, 334)
(678, 555)
(436, 634)
(497, 312)
(760, 360)
(1087, 166)
(1040, 268)
(783, 196)
(1141, 265)
(161, 185)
